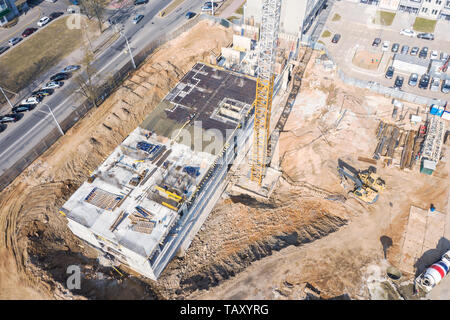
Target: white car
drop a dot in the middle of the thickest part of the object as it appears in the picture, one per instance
(43, 21)
(385, 46)
(408, 32)
(31, 100)
(53, 85)
(434, 54)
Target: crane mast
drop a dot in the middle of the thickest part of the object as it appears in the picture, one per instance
(264, 86)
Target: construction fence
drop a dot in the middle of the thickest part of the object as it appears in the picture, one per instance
(105, 90)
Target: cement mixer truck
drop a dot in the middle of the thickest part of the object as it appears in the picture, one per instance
(434, 274)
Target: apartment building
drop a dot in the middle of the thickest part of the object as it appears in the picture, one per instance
(9, 9)
(297, 16)
(429, 9)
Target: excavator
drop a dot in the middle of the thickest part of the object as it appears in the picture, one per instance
(367, 183)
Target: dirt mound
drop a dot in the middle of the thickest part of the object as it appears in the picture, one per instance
(38, 247)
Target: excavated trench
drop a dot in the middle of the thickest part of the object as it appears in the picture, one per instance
(211, 275)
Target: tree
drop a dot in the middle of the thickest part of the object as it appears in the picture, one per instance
(85, 80)
(95, 8)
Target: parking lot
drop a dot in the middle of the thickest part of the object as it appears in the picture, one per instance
(358, 31)
(37, 9)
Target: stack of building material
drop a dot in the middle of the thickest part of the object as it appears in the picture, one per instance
(395, 145)
(432, 146)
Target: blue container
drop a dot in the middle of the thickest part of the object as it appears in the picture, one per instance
(434, 109)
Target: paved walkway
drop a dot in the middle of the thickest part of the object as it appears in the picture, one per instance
(231, 9)
(25, 20)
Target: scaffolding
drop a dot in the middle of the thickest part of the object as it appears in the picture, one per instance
(264, 86)
(434, 139)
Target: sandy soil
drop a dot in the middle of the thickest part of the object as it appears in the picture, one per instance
(367, 60)
(247, 248)
(346, 261)
(37, 246)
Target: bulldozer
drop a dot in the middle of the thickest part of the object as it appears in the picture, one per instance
(367, 183)
(371, 179)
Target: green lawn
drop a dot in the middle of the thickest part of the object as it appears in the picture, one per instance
(336, 17)
(25, 62)
(384, 18)
(326, 34)
(424, 25)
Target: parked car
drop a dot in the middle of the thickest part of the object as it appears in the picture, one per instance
(23, 108)
(376, 42)
(434, 54)
(42, 93)
(28, 31)
(424, 81)
(426, 36)
(423, 53)
(413, 79)
(32, 100)
(405, 49)
(70, 68)
(53, 85)
(398, 82)
(390, 72)
(14, 41)
(43, 21)
(435, 83)
(138, 2)
(414, 51)
(55, 15)
(190, 15)
(60, 76)
(2, 127)
(443, 56)
(395, 47)
(386, 45)
(445, 86)
(138, 18)
(336, 38)
(12, 117)
(3, 49)
(408, 32)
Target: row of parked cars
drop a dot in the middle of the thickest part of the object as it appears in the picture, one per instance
(29, 31)
(424, 82)
(415, 51)
(56, 81)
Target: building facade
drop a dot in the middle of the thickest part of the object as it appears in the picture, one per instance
(429, 9)
(9, 9)
(297, 16)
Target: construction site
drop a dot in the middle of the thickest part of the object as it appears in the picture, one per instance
(234, 164)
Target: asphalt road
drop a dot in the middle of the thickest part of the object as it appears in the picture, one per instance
(19, 138)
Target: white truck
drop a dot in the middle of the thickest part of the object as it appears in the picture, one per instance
(434, 274)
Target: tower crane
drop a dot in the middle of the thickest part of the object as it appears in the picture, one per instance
(268, 38)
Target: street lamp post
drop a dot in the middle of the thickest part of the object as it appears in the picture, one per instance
(128, 45)
(6, 97)
(54, 118)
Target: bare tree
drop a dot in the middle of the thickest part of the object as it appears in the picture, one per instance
(85, 80)
(95, 8)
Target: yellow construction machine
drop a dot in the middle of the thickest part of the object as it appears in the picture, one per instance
(367, 183)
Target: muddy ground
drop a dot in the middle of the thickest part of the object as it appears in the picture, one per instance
(248, 247)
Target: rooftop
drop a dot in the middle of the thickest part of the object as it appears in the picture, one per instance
(135, 195)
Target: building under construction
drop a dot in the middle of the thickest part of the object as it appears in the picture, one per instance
(148, 199)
